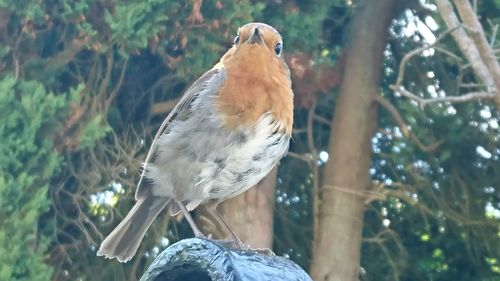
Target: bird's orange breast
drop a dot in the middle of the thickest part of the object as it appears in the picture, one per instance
(255, 84)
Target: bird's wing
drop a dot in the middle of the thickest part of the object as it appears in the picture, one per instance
(207, 84)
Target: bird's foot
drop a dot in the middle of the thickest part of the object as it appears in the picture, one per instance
(232, 243)
(238, 244)
(200, 235)
(264, 251)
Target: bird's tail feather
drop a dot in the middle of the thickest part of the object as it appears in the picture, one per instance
(122, 243)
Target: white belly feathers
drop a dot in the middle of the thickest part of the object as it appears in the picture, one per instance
(210, 162)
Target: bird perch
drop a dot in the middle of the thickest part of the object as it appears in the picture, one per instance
(199, 259)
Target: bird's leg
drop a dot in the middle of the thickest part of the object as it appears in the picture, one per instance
(212, 209)
(189, 218)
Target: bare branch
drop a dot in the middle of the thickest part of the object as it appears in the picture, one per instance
(417, 51)
(314, 168)
(465, 44)
(405, 129)
(163, 107)
(451, 99)
(493, 34)
(306, 157)
(114, 92)
(477, 33)
(399, 88)
(448, 53)
(322, 120)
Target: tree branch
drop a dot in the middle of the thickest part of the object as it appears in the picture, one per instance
(477, 33)
(399, 88)
(163, 107)
(405, 129)
(465, 44)
(417, 51)
(451, 99)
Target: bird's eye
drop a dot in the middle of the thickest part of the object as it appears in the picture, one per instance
(236, 39)
(278, 48)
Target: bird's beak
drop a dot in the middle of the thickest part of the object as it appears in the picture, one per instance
(256, 37)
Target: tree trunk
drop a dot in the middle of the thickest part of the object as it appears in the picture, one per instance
(250, 214)
(336, 253)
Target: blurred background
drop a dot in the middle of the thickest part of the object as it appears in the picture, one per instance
(393, 171)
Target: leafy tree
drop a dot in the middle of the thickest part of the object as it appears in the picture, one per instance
(29, 159)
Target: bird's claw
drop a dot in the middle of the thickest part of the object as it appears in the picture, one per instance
(234, 243)
(264, 251)
(242, 246)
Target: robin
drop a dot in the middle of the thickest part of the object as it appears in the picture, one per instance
(227, 132)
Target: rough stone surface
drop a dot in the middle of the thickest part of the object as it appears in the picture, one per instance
(204, 260)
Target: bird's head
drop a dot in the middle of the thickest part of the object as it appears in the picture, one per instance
(259, 47)
(258, 37)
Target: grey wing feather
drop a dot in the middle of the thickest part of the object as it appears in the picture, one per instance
(187, 99)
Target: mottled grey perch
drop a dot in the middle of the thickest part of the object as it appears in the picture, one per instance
(203, 260)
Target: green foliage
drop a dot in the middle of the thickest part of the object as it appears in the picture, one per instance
(305, 33)
(93, 131)
(134, 22)
(205, 46)
(28, 161)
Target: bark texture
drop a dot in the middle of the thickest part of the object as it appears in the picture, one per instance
(336, 253)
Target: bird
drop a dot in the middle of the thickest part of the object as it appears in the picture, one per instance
(227, 132)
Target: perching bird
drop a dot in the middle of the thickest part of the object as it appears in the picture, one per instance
(226, 133)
